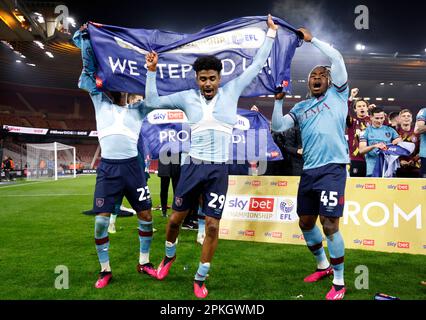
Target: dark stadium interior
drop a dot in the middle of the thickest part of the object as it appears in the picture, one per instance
(39, 91)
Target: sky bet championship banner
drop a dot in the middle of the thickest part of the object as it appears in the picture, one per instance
(164, 130)
(380, 214)
(120, 53)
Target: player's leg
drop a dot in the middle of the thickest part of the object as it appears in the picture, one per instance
(186, 189)
(201, 223)
(145, 231)
(331, 186)
(107, 191)
(214, 196)
(113, 218)
(336, 248)
(138, 194)
(307, 210)
(164, 194)
(172, 232)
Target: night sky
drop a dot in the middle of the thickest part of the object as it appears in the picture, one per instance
(393, 26)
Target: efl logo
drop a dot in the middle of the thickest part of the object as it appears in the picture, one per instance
(282, 183)
(232, 182)
(175, 115)
(367, 242)
(249, 233)
(403, 187)
(224, 231)
(278, 235)
(370, 186)
(403, 245)
(261, 204)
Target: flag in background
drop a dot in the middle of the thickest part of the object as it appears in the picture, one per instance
(164, 130)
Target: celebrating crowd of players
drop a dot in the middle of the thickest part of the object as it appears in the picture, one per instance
(211, 110)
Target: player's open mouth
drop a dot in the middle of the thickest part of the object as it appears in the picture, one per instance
(208, 92)
(317, 85)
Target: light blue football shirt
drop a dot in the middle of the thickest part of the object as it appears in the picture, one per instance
(118, 127)
(373, 135)
(322, 120)
(211, 139)
(421, 116)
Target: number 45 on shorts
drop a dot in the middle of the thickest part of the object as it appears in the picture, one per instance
(330, 199)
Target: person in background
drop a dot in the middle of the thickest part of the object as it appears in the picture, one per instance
(376, 136)
(410, 165)
(355, 126)
(420, 129)
(394, 120)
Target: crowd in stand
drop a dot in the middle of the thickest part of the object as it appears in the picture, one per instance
(368, 129)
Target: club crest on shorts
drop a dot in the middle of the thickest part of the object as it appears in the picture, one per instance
(178, 201)
(99, 202)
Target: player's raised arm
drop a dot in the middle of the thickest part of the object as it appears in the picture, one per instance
(152, 99)
(238, 85)
(281, 123)
(87, 79)
(339, 76)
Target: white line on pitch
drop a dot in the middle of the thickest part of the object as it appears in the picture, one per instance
(23, 184)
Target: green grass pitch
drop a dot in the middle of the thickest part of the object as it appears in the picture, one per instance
(42, 227)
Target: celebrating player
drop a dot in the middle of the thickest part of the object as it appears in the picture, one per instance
(212, 113)
(119, 173)
(322, 120)
(420, 129)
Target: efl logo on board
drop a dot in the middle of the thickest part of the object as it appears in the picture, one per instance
(175, 115)
(404, 187)
(282, 183)
(232, 182)
(368, 242)
(403, 245)
(370, 186)
(249, 233)
(278, 235)
(261, 204)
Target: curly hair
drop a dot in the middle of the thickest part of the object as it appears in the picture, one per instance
(207, 63)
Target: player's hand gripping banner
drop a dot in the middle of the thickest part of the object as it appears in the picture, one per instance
(120, 53)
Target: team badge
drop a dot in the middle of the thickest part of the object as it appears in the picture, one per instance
(388, 134)
(178, 201)
(99, 202)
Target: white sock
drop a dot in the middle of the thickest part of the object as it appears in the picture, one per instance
(105, 267)
(323, 264)
(143, 258)
(112, 218)
(338, 281)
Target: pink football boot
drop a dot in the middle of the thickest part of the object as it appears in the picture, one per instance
(104, 279)
(319, 274)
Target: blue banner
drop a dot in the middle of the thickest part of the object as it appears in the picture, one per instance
(120, 53)
(167, 130)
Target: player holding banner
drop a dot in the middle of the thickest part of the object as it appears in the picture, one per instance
(120, 171)
(212, 113)
(322, 121)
